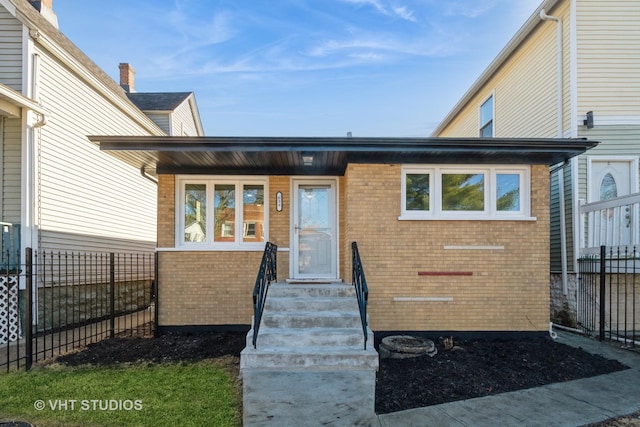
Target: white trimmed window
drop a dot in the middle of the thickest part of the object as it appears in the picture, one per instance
(227, 213)
(486, 118)
(469, 192)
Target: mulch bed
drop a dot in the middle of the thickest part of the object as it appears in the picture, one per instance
(471, 369)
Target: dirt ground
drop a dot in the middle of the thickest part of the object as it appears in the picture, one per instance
(471, 369)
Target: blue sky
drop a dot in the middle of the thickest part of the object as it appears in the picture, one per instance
(301, 67)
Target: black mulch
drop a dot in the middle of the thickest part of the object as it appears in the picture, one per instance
(471, 369)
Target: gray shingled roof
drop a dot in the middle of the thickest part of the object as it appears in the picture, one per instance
(158, 101)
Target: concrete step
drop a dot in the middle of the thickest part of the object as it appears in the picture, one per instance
(316, 357)
(279, 304)
(311, 319)
(287, 290)
(302, 337)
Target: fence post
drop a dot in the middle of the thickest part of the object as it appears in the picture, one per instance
(603, 293)
(28, 311)
(112, 295)
(155, 295)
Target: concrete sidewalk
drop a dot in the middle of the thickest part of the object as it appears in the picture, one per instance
(571, 404)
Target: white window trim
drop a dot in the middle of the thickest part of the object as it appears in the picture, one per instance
(490, 211)
(211, 181)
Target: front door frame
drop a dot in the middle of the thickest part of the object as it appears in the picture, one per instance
(294, 253)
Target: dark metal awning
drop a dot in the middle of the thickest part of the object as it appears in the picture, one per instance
(325, 156)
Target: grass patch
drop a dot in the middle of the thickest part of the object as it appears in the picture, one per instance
(184, 394)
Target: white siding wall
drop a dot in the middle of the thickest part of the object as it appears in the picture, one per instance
(622, 140)
(161, 119)
(10, 50)
(11, 155)
(88, 199)
(608, 57)
(525, 89)
(183, 122)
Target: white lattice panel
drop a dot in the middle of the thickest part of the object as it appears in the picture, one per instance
(9, 318)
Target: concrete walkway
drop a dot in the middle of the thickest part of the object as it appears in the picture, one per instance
(571, 404)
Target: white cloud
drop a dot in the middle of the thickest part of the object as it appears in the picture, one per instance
(404, 13)
(399, 11)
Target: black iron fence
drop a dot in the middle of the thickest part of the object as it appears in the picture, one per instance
(54, 302)
(606, 298)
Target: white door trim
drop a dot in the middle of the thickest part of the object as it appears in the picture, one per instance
(333, 209)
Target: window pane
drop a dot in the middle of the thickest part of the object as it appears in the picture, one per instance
(486, 111)
(225, 212)
(487, 131)
(253, 212)
(417, 196)
(463, 192)
(486, 118)
(508, 192)
(195, 207)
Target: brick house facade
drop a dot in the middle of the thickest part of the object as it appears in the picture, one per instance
(433, 270)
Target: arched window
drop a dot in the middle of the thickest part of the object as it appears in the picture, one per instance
(608, 188)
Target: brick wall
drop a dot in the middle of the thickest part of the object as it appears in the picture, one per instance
(496, 289)
(504, 287)
(212, 287)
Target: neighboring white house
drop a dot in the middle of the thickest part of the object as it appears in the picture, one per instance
(572, 71)
(58, 190)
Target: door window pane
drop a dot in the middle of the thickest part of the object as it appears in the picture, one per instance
(253, 212)
(608, 188)
(462, 192)
(417, 192)
(224, 204)
(195, 213)
(508, 192)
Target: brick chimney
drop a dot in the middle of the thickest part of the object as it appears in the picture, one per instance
(45, 7)
(127, 77)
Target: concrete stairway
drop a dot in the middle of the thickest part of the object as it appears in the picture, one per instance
(310, 327)
(310, 366)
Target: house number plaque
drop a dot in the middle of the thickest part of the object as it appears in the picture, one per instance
(279, 201)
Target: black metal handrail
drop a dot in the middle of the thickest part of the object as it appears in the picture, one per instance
(360, 284)
(266, 275)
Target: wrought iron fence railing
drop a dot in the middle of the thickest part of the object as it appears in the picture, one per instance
(57, 301)
(608, 296)
(362, 290)
(266, 275)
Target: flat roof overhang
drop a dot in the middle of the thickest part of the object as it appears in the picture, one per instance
(284, 156)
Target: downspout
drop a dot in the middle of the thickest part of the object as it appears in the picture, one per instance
(560, 133)
(559, 79)
(144, 173)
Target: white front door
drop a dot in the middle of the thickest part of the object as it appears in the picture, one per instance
(314, 233)
(609, 179)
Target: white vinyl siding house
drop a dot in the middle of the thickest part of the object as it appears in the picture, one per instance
(599, 61)
(11, 52)
(11, 154)
(163, 120)
(56, 184)
(609, 60)
(183, 122)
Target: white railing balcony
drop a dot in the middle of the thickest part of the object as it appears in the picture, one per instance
(613, 223)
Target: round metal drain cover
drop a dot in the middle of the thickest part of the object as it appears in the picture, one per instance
(15, 424)
(406, 346)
